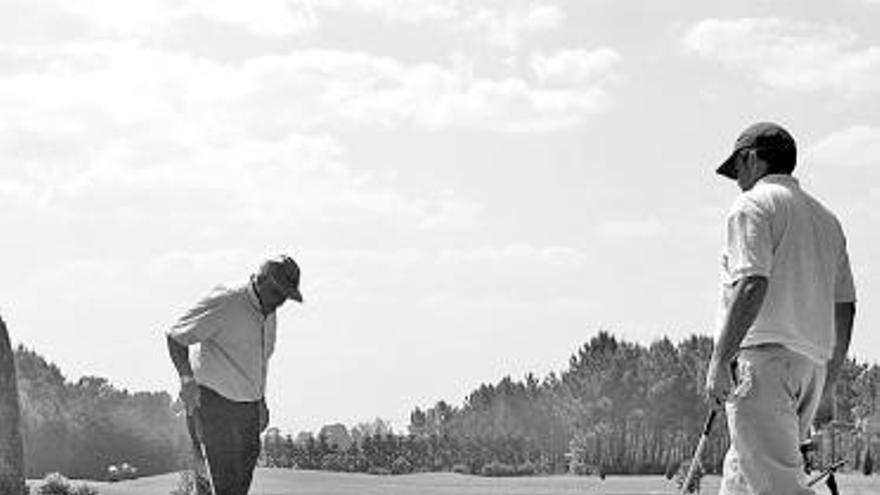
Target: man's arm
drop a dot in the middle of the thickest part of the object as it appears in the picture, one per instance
(746, 301)
(844, 315)
(180, 357)
(189, 389)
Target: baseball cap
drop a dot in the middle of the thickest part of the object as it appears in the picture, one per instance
(284, 272)
(763, 135)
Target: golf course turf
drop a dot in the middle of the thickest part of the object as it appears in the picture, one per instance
(287, 482)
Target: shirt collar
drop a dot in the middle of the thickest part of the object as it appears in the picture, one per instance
(781, 179)
(252, 298)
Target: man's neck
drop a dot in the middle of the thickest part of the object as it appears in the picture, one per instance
(263, 309)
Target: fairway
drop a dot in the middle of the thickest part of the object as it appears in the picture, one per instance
(284, 482)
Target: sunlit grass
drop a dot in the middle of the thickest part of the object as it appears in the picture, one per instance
(285, 482)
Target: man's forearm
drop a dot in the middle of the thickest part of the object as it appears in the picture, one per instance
(748, 296)
(180, 357)
(844, 315)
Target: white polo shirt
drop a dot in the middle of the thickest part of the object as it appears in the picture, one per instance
(779, 231)
(233, 342)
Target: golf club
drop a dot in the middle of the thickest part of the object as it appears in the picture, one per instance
(695, 460)
(201, 468)
(829, 473)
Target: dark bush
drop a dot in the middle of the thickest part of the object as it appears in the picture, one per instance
(334, 462)
(54, 484)
(357, 463)
(58, 484)
(498, 469)
(401, 465)
(526, 469)
(378, 470)
(461, 469)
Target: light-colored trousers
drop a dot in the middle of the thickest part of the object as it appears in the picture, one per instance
(769, 412)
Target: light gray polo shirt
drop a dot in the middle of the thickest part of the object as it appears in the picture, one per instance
(232, 342)
(779, 231)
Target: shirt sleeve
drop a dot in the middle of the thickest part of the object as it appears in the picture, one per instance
(844, 287)
(748, 245)
(200, 322)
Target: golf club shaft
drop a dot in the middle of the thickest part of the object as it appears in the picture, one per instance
(695, 461)
(827, 471)
(194, 427)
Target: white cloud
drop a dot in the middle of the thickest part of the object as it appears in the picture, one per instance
(503, 23)
(412, 11)
(85, 281)
(138, 17)
(789, 55)
(118, 120)
(320, 87)
(264, 17)
(20, 194)
(114, 117)
(511, 272)
(506, 27)
(258, 17)
(449, 213)
(514, 272)
(633, 229)
(167, 264)
(857, 147)
(302, 90)
(515, 254)
(298, 179)
(843, 167)
(571, 67)
(543, 17)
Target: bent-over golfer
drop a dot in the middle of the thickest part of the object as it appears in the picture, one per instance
(223, 381)
(788, 305)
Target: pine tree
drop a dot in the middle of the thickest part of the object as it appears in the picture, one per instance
(11, 449)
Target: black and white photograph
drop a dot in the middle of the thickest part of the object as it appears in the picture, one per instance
(439, 247)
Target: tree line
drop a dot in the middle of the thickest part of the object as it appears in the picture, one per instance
(619, 408)
(80, 428)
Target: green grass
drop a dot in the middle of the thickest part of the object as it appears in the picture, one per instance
(286, 482)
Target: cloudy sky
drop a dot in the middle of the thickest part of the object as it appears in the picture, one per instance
(473, 188)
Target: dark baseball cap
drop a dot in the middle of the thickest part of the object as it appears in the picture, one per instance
(284, 273)
(763, 135)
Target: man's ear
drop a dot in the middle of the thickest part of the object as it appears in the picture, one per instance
(751, 157)
(762, 166)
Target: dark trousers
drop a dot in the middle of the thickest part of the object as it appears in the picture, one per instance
(231, 435)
